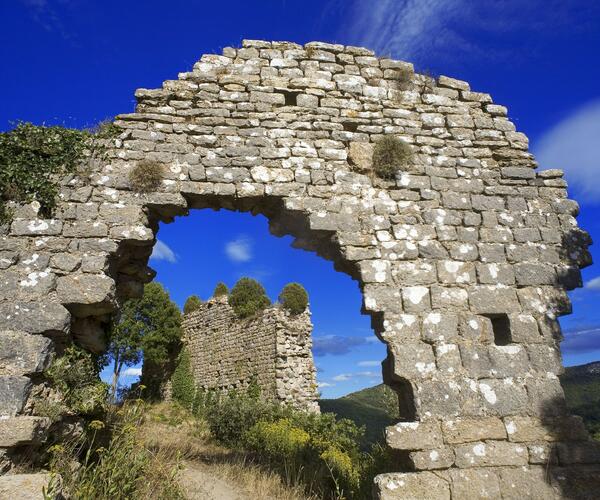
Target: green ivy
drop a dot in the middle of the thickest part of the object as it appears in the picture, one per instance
(183, 386)
(32, 159)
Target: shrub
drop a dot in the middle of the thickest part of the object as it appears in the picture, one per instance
(221, 290)
(192, 304)
(146, 176)
(31, 158)
(183, 385)
(294, 298)
(248, 297)
(389, 154)
(75, 374)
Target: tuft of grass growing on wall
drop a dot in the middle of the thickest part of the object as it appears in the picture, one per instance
(389, 155)
(294, 298)
(146, 176)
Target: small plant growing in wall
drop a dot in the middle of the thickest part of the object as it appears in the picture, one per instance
(389, 155)
(221, 290)
(146, 176)
(248, 297)
(294, 298)
(192, 304)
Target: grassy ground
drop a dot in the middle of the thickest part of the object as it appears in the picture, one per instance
(208, 470)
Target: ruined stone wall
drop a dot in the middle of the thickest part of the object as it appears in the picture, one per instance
(463, 259)
(275, 348)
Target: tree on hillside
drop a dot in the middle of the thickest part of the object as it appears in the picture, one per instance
(148, 328)
(192, 304)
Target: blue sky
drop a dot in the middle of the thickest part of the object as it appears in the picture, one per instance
(76, 62)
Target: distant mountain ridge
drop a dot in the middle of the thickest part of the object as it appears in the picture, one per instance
(376, 407)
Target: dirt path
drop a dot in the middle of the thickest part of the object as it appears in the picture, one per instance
(199, 483)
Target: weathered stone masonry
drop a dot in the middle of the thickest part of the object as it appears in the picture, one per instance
(463, 260)
(273, 347)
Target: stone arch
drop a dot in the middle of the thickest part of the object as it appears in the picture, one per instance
(467, 232)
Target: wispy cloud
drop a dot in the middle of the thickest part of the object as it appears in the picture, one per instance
(336, 345)
(325, 384)
(426, 30)
(240, 249)
(343, 377)
(574, 146)
(47, 15)
(369, 363)
(131, 372)
(581, 340)
(161, 251)
(593, 284)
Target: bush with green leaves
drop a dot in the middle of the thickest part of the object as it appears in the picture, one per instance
(183, 385)
(192, 304)
(294, 298)
(221, 290)
(248, 297)
(389, 155)
(146, 176)
(76, 375)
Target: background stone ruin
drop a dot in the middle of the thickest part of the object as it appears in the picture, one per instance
(273, 348)
(463, 260)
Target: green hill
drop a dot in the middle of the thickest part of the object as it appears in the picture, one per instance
(377, 407)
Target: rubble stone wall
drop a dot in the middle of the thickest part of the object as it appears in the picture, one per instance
(274, 348)
(463, 259)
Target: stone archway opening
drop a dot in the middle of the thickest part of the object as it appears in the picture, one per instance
(281, 222)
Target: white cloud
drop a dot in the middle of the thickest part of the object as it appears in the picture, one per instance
(325, 384)
(369, 363)
(366, 374)
(399, 27)
(342, 377)
(574, 146)
(593, 284)
(424, 31)
(239, 250)
(131, 372)
(161, 251)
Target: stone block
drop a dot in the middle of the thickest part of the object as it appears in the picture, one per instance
(87, 294)
(456, 272)
(35, 317)
(464, 430)
(411, 486)
(469, 484)
(360, 155)
(414, 435)
(36, 227)
(502, 397)
(17, 431)
(24, 486)
(582, 452)
(531, 483)
(493, 300)
(440, 458)
(491, 454)
(440, 327)
(14, 391)
(23, 353)
(412, 360)
(531, 274)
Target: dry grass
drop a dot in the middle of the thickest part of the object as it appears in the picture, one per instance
(146, 176)
(209, 470)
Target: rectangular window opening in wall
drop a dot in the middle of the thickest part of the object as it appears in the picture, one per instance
(501, 328)
(291, 98)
